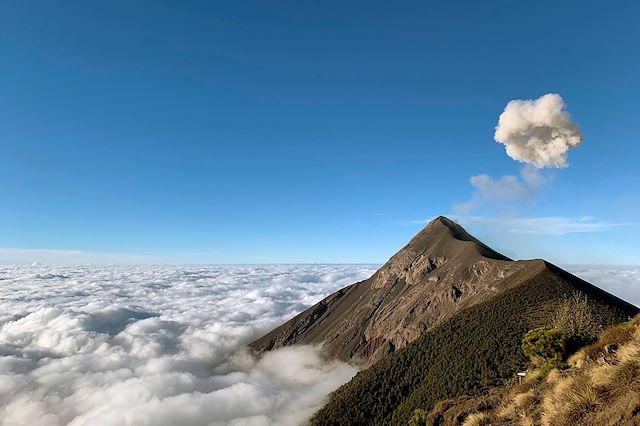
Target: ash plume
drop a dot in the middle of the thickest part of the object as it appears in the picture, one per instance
(538, 131)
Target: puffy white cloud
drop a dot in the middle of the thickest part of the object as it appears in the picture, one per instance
(538, 131)
(161, 345)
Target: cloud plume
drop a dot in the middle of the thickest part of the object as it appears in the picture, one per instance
(538, 131)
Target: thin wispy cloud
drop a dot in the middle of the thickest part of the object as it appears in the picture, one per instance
(29, 256)
(560, 225)
(25, 256)
(546, 225)
(506, 189)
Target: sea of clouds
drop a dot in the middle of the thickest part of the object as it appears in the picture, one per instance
(164, 345)
(623, 281)
(161, 345)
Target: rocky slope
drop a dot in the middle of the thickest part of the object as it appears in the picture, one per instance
(441, 271)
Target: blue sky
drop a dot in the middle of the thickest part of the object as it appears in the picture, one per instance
(240, 132)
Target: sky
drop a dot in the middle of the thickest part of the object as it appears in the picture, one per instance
(253, 132)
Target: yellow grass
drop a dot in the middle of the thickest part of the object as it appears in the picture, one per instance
(476, 419)
(595, 393)
(577, 360)
(629, 352)
(527, 421)
(507, 410)
(569, 400)
(522, 400)
(601, 375)
(553, 376)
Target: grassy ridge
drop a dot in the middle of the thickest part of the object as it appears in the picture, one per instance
(476, 350)
(601, 388)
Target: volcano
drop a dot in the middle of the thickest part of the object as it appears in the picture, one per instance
(443, 270)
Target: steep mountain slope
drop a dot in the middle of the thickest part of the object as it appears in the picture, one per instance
(440, 272)
(475, 350)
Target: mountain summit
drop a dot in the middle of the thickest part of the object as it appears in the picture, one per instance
(441, 271)
(444, 237)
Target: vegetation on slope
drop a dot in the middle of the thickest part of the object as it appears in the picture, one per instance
(600, 387)
(478, 349)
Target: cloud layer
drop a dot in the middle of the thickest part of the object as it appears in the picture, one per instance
(160, 345)
(164, 345)
(538, 131)
(623, 281)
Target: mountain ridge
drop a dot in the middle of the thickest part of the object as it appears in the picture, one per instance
(440, 271)
(474, 351)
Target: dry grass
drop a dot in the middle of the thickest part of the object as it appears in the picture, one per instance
(618, 334)
(601, 375)
(612, 339)
(507, 411)
(629, 352)
(477, 419)
(527, 421)
(627, 373)
(519, 406)
(533, 375)
(554, 376)
(524, 400)
(605, 391)
(569, 401)
(606, 385)
(578, 360)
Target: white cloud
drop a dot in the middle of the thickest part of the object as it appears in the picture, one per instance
(559, 225)
(20, 256)
(506, 189)
(538, 131)
(161, 345)
(550, 225)
(623, 281)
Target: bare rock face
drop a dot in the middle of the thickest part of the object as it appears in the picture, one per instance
(441, 270)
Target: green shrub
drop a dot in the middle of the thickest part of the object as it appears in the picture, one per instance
(545, 346)
(419, 418)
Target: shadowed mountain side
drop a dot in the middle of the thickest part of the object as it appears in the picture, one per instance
(440, 271)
